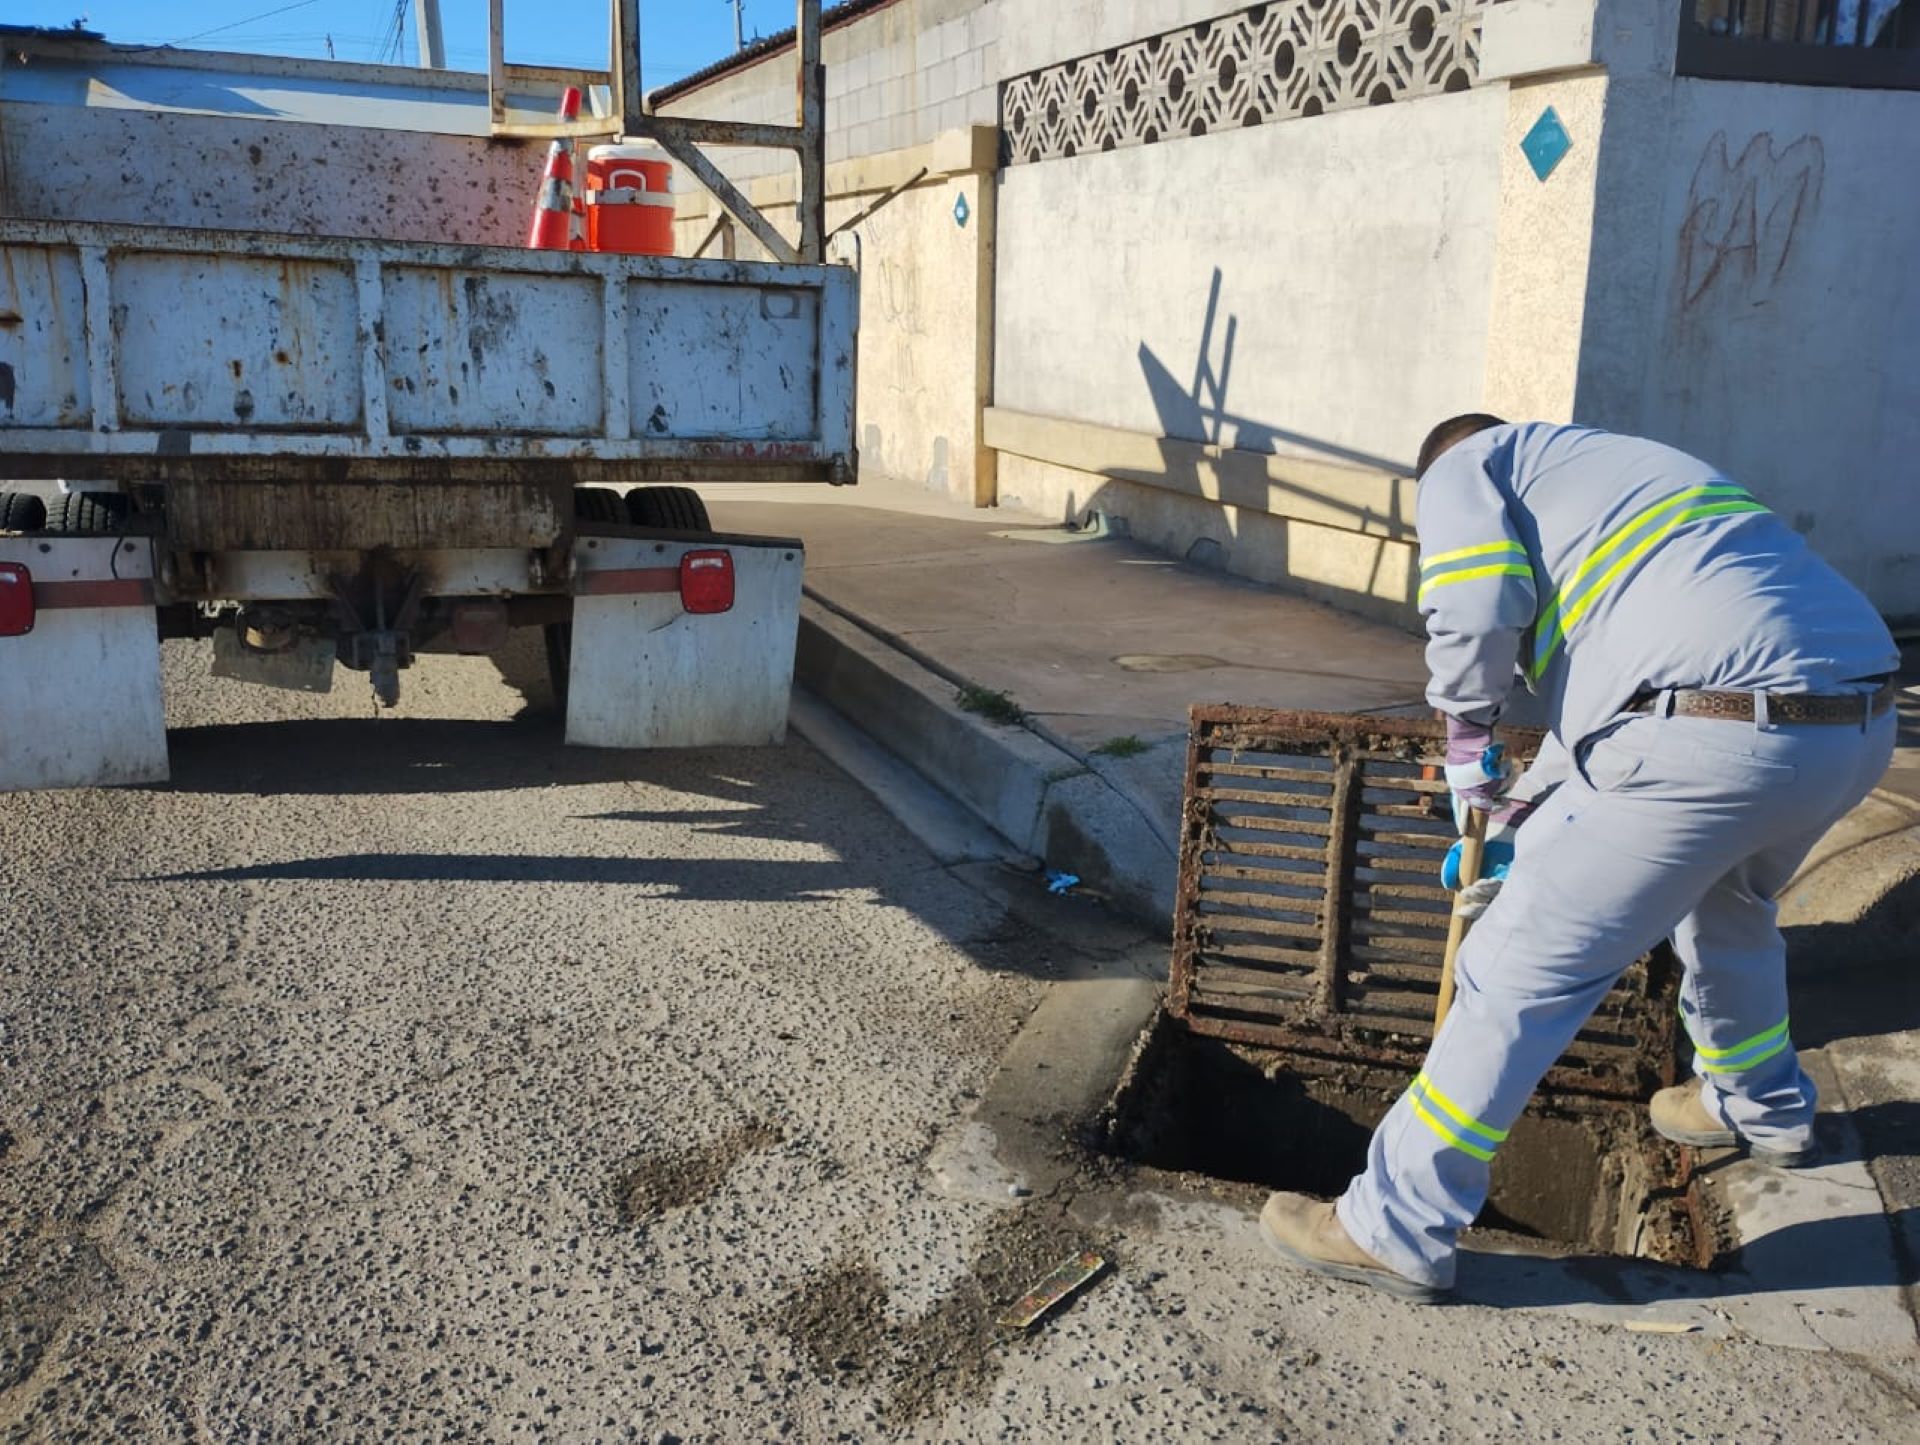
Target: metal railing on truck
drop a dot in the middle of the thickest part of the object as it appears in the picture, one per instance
(132, 353)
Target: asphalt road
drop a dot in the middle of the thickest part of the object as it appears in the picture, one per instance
(415, 1078)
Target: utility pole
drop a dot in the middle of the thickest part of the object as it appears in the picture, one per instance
(433, 44)
(739, 34)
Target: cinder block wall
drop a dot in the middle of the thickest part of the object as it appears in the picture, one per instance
(897, 76)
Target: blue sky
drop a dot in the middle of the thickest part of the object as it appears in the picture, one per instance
(677, 36)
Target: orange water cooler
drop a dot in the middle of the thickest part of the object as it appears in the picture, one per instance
(629, 200)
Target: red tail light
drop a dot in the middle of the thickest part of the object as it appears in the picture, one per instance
(706, 581)
(16, 599)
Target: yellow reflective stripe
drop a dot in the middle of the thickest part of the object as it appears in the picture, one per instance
(1745, 1064)
(1619, 535)
(1740, 1048)
(1569, 615)
(1730, 1062)
(1455, 1112)
(1469, 574)
(1653, 539)
(1617, 538)
(1485, 549)
(1633, 524)
(1466, 1146)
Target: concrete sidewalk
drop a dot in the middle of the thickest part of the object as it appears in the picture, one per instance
(1080, 655)
(1096, 648)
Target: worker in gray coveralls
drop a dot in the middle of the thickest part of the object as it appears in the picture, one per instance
(1717, 698)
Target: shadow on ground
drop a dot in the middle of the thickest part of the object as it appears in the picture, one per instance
(728, 880)
(335, 757)
(745, 795)
(1848, 1252)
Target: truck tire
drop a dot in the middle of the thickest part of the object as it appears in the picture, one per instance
(91, 512)
(590, 504)
(21, 512)
(598, 504)
(673, 509)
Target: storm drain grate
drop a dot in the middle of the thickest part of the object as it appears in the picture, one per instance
(1311, 917)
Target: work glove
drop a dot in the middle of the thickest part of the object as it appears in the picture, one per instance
(1496, 860)
(1478, 770)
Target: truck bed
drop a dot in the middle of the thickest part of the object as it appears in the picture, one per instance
(145, 354)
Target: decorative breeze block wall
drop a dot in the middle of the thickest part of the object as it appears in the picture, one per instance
(1268, 62)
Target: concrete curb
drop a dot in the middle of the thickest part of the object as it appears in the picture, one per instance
(1042, 800)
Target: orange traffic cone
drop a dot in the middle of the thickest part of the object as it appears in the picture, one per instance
(558, 221)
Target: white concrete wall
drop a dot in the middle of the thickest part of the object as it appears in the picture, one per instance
(1780, 323)
(1352, 255)
(895, 78)
(923, 294)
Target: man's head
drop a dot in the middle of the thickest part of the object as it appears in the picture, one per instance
(1450, 432)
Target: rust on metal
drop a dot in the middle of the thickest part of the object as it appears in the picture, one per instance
(711, 462)
(1309, 911)
(628, 581)
(103, 592)
(254, 513)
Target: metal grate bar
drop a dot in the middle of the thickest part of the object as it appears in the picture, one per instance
(1330, 942)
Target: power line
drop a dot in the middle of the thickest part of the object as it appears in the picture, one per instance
(393, 49)
(236, 24)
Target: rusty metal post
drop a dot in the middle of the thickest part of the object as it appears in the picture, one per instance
(627, 91)
(811, 204)
(497, 62)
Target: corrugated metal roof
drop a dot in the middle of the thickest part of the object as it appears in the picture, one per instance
(832, 18)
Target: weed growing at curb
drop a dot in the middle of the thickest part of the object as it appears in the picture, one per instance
(1125, 746)
(993, 706)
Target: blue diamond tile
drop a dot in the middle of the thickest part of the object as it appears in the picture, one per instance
(1547, 144)
(961, 210)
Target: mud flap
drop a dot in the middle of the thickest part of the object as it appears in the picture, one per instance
(645, 672)
(80, 700)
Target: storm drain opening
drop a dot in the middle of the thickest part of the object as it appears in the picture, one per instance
(1576, 1173)
(1308, 939)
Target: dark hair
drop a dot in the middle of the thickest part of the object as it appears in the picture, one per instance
(1453, 430)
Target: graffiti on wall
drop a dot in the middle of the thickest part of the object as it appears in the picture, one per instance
(1743, 217)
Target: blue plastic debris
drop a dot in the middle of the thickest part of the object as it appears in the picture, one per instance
(1058, 882)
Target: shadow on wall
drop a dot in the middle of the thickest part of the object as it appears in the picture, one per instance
(1856, 979)
(1199, 485)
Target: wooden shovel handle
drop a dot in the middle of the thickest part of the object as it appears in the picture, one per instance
(1472, 845)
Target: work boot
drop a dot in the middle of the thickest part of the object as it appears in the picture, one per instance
(1308, 1233)
(1680, 1114)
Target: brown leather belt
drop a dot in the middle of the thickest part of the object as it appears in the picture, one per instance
(1799, 708)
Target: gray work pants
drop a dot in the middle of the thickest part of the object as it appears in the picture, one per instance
(1670, 827)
